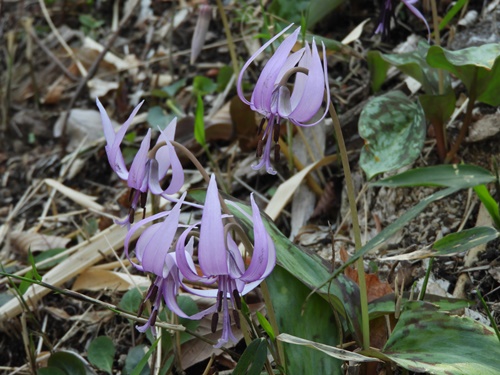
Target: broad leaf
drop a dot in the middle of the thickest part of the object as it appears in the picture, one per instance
(310, 319)
(101, 353)
(477, 67)
(438, 108)
(67, 362)
(134, 356)
(253, 358)
(464, 240)
(426, 340)
(393, 128)
(461, 176)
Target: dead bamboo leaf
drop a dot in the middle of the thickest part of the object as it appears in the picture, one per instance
(82, 199)
(99, 279)
(25, 241)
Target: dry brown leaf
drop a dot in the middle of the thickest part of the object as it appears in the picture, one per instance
(99, 279)
(24, 241)
(82, 199)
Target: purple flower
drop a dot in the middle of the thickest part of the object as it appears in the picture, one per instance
(148, 167)
(152, 252)
(271, 96)
(221, 263)
(388, 13)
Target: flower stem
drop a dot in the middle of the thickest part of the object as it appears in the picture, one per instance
(351, 197)
(229, 37)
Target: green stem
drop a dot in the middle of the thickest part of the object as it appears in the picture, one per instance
(351, 196)
(426, 280)
(488, 312)
(229, 37)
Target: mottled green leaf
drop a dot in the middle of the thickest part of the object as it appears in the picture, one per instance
(312, 319)
(393, 128)
(464, 240)
(461, 176)
(427, 340)
(253, 358)
(332, 351)
(157, 118)
(413, 64)
(203, 86)
(101, 353)
(134, 356)
(477, 67)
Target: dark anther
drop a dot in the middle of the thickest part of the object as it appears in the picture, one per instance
(237, 299)
(236, 317)
(144, 199)
(131, 214)
(276, 132)
(260, 147)
(131, 195)
(154, 314)
(261, 125)
(141, 308)
(154, 292)
(215, 320)
(276, 152)
(219, 300)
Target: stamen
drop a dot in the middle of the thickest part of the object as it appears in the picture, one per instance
(236, 317)
(260, 148)
(219, 301)
(276, 132)
(237, 299)
(131, 214)
(261, 125)
(276, 152)
(144, 199)
(215, 321)
(154, 292)
(141, 308)
(154, 315)
(131, 195)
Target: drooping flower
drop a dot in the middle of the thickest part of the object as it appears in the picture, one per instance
(221, 263)
(387, 14)
(154, 256)
(149, 167)
(271, 96)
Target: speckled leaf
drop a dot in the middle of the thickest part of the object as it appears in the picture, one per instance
(461, 176)
(464, 240)
(393, 128)
(312, 320)
(412, 64)
(480, 63)
(426, 340)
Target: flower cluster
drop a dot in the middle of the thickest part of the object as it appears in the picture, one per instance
(171, 261)
(271, 96)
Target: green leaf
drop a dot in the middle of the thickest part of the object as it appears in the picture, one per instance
(253, 358)
(131, 300)
(393, 128)
(223, 78)
(144, 361)
(67, 362)
(134, 356)
(438, 108)
(186, 304)
(462, 176)
(101, 353)
(332, 351)
(413, 64)
(426, 340)
(477, 67)
(34, 272)
(158, 119)
(266, 326)
(451, 13)
(464, 240)
(199, 122)
(48, 254)
(489, 203)
(50, 371)
(172, 89)
(203, 86)
(312, 319)
(319, 9)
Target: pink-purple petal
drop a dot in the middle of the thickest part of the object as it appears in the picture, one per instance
(137, 171)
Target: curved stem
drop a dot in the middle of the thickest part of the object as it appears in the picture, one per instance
(365, 322)
(193, 159)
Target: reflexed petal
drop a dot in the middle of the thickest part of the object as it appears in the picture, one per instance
(312, 94)
(325, 80)
(239, 87)
(163, 153)
(416, 12)
(107, 126)
(183, 256)
(261, 96)
(177, 171)
(170, 287)
(290, 63)
(283, 97)
(264, 255)
(235, 262)
(266, 157)
(138, 168)
(301, 78)
(212, 254)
